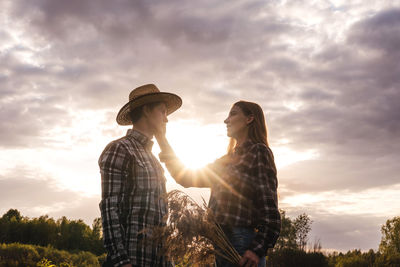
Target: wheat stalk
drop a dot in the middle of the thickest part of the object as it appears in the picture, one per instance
(191, 235)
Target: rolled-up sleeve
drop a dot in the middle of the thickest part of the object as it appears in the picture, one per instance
(114, 165)
(269, 222)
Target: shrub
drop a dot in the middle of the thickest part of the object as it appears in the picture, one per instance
(17, 255)
(296, 257)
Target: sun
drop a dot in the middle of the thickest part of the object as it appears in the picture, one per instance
(197, 145)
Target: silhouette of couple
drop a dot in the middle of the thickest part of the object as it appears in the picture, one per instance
(243, 185)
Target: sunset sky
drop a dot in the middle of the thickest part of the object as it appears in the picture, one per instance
(326, 73)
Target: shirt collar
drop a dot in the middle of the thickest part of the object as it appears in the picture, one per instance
(141, 138)
(243, 148)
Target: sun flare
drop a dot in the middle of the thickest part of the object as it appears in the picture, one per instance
(197, 145)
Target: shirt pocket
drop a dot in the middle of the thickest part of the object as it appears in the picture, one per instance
(145, 176)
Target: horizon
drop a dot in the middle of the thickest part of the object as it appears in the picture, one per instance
(325, 73)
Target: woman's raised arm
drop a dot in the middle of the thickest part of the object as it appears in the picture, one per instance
(204, 177)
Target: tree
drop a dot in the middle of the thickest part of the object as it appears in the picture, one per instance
(64, 234)
(287, 237)
(302, 224)
(390, 242)
(12, 214)
(294, 233)
(97, 237)
(97, 228)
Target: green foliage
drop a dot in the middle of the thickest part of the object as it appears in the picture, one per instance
(388, 260)
(287, 257)
(294, 233)
(71, 235)
(290, 248)
(390, 243)
(302, 225)
(287, 237)
(356, 258)
(353, 258)
(45, 263)
(47, 241)
(16, 254)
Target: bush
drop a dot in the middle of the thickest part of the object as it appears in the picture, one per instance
(388, 260)
(63, 234)
(296, 257)
(17, 255)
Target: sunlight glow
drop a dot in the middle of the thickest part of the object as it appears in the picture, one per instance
(197, 145)
(71, 153)
(285, 156)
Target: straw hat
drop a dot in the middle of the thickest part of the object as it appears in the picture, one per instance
(145, 94)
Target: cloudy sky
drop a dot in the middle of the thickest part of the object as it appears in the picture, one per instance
(326, 73)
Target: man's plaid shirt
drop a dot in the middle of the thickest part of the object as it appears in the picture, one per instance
(243, 193)
(132, 182)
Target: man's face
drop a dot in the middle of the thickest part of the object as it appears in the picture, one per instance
(157, 117)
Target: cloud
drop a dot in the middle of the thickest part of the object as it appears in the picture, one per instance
(341, 231)
(35, 194)
(325, 73)
(338, 174)
(347, 232)
(24, 122)
(351, 115)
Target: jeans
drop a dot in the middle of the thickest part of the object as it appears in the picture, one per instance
(240, 238)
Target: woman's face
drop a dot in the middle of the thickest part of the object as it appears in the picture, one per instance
(236, 123)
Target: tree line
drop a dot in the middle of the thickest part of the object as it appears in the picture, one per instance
(73, 241)
(64, 234)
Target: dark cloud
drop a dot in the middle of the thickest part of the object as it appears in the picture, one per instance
(24, 122)
(380, 32)
(349, 101)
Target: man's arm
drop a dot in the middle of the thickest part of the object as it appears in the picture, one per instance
(114, 164)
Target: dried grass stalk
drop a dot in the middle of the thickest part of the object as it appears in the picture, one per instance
(191, 234)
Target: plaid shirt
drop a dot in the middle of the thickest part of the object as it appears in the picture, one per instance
(132, 182)
(243, 193)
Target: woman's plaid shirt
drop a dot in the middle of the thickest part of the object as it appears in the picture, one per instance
(132, 182)
(243, 193)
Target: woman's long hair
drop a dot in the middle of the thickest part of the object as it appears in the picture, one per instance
(257, 128)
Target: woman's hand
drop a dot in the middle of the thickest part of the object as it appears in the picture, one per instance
(160, 136)
(160, 131)
(249, 259)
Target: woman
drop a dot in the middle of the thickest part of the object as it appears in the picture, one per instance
(243, 184)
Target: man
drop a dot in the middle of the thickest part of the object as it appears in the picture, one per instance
(133, 180)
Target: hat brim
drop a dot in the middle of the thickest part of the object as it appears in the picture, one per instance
(172, 101)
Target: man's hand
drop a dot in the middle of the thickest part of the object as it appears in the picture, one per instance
(249, 259)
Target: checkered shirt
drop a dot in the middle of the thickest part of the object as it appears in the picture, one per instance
(243, 193)
(132, 182)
